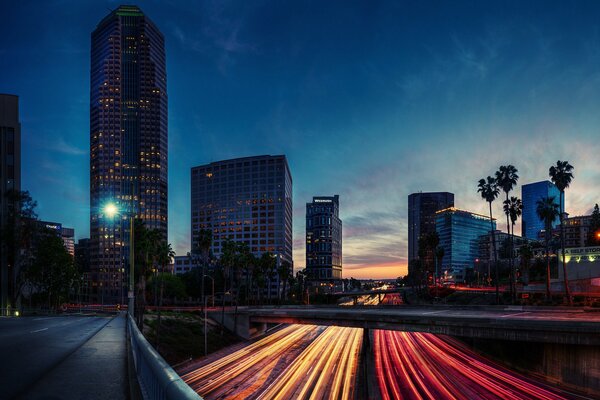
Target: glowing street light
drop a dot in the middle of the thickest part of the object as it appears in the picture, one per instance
(111, 210)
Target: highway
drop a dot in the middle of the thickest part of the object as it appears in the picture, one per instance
(425, 366)
(300, 362)
(30, 347)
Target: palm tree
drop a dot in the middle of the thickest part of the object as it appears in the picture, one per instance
(267, 266)
(202, 247)
(514, 208)
(228, 260)
(433, 239)
(562, 175)
(284, 271)
(547, 211)
(526, 253)
(489, 192)
(164, 255)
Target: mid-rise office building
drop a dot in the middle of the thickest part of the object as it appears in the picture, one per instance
(460, 233)
(576, 230)
(531, 194)
(128, 142)
(421, 218)
(246, 200)
(68, 237)
(324, 239)
(183, 264)
(10, 182)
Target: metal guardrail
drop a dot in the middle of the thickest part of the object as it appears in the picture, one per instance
(156, 378)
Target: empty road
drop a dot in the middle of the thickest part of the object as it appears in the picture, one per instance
(30, 347)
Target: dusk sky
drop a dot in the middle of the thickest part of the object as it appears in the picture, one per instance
(369, 100)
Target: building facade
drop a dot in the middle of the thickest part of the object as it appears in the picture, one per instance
(459, 232)
(421, 216)
(128, 142)
(531, 193)
(576, 230)
(183, 264)
(324, 239)
(247, 200)
(10, 182)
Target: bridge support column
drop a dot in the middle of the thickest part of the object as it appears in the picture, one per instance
(355, 300)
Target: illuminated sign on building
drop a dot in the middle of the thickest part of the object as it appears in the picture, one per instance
(322, 201)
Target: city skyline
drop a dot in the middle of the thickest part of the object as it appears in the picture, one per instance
(495, 79)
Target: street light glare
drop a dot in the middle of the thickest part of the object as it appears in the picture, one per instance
(110, 209)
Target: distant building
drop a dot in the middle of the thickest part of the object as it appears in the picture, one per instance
(82, 255)
(128, 142)
(421, 216)
(576, 229)
(583, 266)
(324, 239)
(66, 234)
(10, 180)
(247, 200)
(460, 233)
(531, 193)
(183, 264)
(68, 237)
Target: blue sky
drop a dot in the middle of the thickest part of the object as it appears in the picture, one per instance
(370, 100)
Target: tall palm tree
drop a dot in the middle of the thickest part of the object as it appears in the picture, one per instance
(202, 247)
(164, 255)
(433, 240)
(284, 271)
(514, 208)
(526, 253)
(562, 175)
(547, 211)
(228, 260)
(489, 192)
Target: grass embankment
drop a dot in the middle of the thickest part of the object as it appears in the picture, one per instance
(182, 335)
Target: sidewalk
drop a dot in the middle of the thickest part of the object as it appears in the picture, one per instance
(97, 370)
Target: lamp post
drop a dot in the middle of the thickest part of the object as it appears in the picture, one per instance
(213, 287)
(111, 210)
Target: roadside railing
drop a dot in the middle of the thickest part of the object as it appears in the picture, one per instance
(156, 378)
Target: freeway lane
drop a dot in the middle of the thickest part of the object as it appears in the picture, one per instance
(296, 362)
(31, 346)
(412, 365)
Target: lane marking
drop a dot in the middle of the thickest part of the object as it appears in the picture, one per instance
(512, 315)
(39, 330)
(433, 312)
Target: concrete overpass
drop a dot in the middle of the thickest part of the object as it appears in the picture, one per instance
(541, 325)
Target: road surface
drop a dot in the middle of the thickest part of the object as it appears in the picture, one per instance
(298, 362)
(411, 365)
(31, 347)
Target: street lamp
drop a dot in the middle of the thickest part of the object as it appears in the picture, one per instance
(111, 210)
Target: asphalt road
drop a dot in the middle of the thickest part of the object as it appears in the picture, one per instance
(30, 347)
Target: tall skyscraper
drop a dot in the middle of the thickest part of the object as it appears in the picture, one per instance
(128, 141)
(246, 200)
(531, 193)
(421, 216)
(460, 232)
(324, 239)
(10, 180)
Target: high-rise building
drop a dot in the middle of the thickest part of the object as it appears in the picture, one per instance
(421, 216)
(246, 200)
(460, 233)
(10, 182)
(324, 239)
(68, 237)
(128, 141)
(531, 193)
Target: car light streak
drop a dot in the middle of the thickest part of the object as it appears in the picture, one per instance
(413, 365)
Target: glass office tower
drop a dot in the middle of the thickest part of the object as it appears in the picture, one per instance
(324, 239)
(246, 200)
(531, 193)
(460, 233)
(128, 142)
